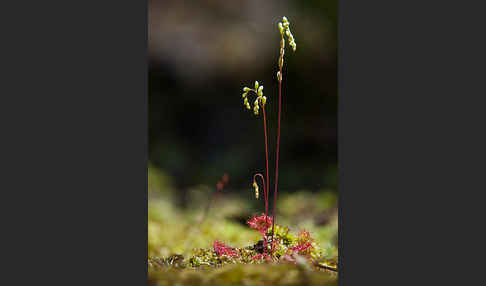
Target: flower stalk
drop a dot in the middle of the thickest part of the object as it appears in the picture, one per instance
(284, 28)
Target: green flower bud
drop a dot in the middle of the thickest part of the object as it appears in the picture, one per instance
(284, 19)
(246, 89)
(260, 89)
(281, 28)
(256, 85)
(255, 186)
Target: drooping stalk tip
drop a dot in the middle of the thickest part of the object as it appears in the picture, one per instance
(265, 193)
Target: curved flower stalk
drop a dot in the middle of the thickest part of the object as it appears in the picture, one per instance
(264, 222)
(265, 192)
(260, 101)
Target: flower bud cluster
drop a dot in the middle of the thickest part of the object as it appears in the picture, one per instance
(284, 28)
(260, 99)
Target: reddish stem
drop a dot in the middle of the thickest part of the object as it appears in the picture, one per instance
(219, 188)
(266, 156)
(278, 145)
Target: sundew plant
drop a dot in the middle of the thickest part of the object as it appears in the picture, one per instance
(260, 101)
(277, 243)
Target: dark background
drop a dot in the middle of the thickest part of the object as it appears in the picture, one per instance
(201, 55)
(79, 206)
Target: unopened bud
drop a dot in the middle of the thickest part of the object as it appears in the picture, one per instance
(281, 28)
(255, 185)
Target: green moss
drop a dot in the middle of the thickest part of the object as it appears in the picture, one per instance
(243, 274)
(180, 245)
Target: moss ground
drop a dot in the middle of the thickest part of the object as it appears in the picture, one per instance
(180, 241)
